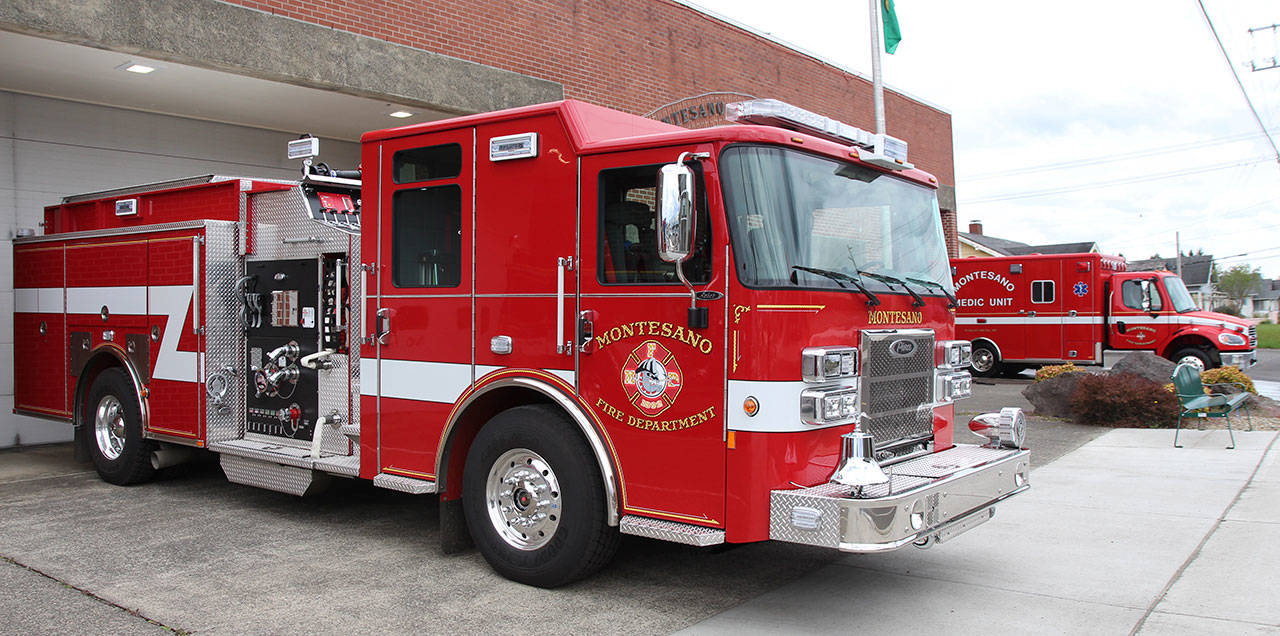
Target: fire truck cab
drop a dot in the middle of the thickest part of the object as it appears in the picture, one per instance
(1025, 311)
(566, 321)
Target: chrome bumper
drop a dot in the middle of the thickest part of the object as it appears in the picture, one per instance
(930, 498)
(1239, 359)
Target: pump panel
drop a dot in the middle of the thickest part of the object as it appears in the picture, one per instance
(283, 318)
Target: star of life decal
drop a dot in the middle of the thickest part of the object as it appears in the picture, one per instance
(1080, 289)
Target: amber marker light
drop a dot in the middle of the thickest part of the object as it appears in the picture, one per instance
(750, 406)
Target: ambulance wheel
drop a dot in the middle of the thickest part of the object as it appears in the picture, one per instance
(1194, 357)
(534, 499)
(985, 363)
(114, 417)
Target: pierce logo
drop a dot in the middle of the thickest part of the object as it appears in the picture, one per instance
(902, 348)
(651, 377)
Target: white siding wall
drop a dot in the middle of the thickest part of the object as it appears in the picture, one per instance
(51, 148)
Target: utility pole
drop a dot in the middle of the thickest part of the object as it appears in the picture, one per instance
(877, 83)
(1177, 244)
(1266, 133)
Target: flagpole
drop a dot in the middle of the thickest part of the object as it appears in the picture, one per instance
(877, 84)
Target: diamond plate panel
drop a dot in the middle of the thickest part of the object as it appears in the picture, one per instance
(223, 339)
(282, 229)
(251, 472)
(404, 484)
(830, 518)
(950, 461)
(672, 531)
(335, 396)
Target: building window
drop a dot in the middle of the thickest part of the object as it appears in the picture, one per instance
(426, 229)
(628, 241)
(1041, 291)
(426, 164)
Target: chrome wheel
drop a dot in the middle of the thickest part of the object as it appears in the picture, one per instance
(108, 427)
(1194, 361)
(983, 359)
(522, 495)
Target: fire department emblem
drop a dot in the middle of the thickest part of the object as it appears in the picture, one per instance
(1080, 288)
(651, 377)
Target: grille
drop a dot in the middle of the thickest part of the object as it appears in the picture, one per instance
(896, 384)
(1253, 335)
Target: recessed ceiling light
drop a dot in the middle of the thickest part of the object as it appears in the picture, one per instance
(132, 67)
(401, 114)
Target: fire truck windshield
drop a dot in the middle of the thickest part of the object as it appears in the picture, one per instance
(1178, 294)
(789, 211)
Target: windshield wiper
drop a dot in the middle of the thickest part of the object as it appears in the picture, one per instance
(837, 277)
(885, 278)
(951, 298)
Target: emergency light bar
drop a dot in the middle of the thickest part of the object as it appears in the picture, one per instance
(880, 150)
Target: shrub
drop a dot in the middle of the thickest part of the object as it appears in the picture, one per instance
(1123, 401)
(1231, 309)
(1228, 374)
(1053, 371)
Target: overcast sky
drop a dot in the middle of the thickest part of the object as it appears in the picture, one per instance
(1111, 121)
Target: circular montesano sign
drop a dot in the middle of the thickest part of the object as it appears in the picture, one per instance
(651, 378)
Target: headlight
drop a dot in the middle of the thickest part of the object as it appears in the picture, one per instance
(1232, 339)
(820, 364)
(829, 406)
(951, 386)
(956, 354)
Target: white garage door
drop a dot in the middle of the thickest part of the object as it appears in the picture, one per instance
(52, 148)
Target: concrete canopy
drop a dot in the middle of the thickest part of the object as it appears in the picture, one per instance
(227, 63)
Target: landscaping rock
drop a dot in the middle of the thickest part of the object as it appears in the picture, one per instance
(1147, 365)
(1052, 397)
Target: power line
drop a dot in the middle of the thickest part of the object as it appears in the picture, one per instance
(1236, 75)
(1115, 182)
(1135, 154)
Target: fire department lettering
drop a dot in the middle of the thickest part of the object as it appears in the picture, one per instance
(654, 328)
(651, 378)
(895, 317)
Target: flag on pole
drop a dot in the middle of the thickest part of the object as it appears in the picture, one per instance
(892, 34)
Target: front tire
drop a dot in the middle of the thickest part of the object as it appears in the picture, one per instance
(534, 499)
(985, 363)
(1193, 356)
(112, 412)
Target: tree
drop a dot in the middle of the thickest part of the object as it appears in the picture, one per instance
(1238, 280)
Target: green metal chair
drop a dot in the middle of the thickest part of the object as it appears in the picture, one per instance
(1194, 402)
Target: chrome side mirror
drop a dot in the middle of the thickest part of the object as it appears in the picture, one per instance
(676, 212)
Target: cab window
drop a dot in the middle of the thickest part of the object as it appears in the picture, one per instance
(1133, 291)
(426, 228)
(628, 241)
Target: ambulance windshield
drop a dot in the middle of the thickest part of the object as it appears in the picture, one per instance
(1178, 294)
(792, 213)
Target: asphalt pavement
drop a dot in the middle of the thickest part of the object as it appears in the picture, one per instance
(1119, 532)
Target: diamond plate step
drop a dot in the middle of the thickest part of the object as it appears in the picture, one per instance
(673, 531)
(404, 484)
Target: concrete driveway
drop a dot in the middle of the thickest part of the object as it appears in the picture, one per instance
(1121, 531)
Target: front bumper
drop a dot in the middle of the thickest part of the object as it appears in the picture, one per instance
(930, 498)
(1240, 359)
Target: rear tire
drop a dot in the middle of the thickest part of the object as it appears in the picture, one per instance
(985, 362)
(112, 412)
(534, 499)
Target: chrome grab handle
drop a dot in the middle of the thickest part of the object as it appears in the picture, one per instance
(563, 264)
(195, 284)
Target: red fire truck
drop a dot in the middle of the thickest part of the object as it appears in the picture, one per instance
(567, 321)
(1024, 311)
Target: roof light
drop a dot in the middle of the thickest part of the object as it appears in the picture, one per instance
(400, 114)
(880, 150)
(141, 69)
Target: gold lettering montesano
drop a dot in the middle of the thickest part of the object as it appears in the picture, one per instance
(654, 328)
(895, 317)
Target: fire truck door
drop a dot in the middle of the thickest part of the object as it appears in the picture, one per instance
(1136, 304)
(423, 317)
(653, 381)
(174, 301)
(1081, 322)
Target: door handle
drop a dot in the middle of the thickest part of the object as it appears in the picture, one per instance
(1120, 327)
(586, 330)
(384, 325)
